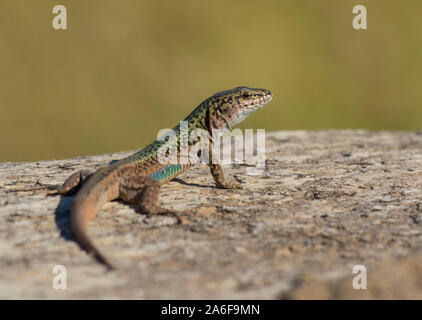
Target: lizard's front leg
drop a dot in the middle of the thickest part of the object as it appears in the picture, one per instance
(217, 174)
(217, 171)
(144, 192)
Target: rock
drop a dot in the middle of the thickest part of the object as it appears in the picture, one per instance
(327, 201)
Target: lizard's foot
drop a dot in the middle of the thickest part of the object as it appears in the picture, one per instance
(217, 174)
(230, 185)
(38, 186)
(69, 187)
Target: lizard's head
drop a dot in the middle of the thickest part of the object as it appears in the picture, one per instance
(233, 106)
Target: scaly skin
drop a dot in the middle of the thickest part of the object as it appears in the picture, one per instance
(137, 178)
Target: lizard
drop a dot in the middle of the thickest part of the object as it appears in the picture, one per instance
(137, 178)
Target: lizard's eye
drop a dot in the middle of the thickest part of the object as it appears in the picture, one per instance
(245, 95)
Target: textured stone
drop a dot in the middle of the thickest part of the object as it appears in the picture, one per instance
(326, 202)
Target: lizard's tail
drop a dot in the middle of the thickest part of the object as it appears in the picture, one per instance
(82, 212)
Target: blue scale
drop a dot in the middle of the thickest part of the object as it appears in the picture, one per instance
(167, 172)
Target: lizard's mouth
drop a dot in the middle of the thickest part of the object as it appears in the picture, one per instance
(257, 102)
(251, 105)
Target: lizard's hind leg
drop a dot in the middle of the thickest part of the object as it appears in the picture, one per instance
(69, 187)
(74, 182)
(144, 192)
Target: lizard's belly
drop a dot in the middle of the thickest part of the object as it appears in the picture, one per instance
(167, 173)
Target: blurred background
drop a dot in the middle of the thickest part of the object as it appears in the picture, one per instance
(123, 70)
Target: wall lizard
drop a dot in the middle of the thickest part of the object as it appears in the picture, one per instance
(137, 178)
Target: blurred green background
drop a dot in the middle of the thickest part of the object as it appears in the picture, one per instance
(126, 69)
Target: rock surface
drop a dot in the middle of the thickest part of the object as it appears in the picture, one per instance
(326, 202)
